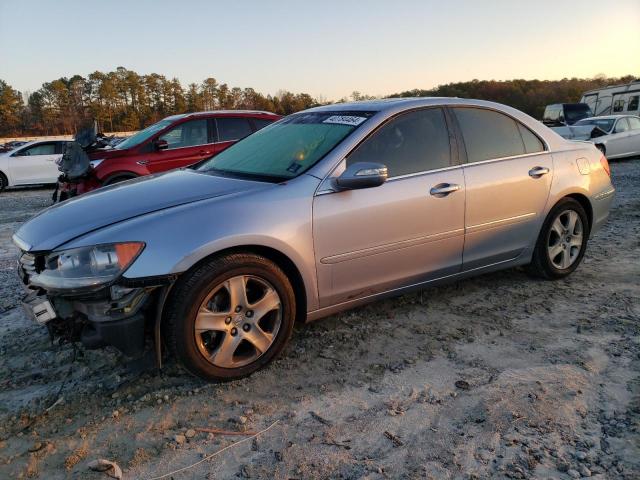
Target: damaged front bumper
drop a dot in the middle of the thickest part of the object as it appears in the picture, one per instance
(118, 315)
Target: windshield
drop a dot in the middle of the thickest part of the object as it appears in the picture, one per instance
(143, 135)
(286, 148)
(602, 123)
(573, 113)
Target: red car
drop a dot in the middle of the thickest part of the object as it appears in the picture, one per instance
(174, 142)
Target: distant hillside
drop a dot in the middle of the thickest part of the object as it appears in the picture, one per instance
(530, 96)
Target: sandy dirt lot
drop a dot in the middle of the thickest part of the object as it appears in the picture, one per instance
(500, 376)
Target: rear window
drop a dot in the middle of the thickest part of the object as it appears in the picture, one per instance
(488, 134)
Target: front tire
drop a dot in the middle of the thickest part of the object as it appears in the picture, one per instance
(562, 241)
(3, 182)
(230, 316)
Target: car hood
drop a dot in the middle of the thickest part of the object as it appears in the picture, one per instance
(65, 221)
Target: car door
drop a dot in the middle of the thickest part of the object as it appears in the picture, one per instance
(35, 163)
(406, 231)
(186, 143)
(617, 143)
(229, 130)
(508, 177)
(634, 135)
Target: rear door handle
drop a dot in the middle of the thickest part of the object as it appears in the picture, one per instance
(537, 172)
(444, 189)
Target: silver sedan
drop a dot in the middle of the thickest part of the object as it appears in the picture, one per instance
(621, 134)
(320, 212)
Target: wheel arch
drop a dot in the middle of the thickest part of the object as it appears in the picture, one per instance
(6, 177)
(287, 265)
(583, 200)
(119, 174)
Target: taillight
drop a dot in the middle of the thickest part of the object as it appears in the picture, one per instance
(605, 164)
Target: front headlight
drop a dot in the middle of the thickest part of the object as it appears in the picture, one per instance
(85, 267)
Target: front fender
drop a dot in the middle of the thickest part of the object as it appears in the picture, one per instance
(177, 238)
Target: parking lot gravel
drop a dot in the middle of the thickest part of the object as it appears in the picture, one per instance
(500, 376)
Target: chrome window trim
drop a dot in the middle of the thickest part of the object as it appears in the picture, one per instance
(451, 106)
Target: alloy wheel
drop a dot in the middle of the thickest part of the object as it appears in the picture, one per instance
(238, 321)
(565, 239)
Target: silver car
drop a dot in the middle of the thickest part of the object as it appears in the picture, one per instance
(622, 134)
(320, 212)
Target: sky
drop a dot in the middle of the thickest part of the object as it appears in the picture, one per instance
(327, 48)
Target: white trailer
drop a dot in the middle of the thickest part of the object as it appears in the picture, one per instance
(616, 99)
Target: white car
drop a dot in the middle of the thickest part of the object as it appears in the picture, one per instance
(622, 137)
(33, 163)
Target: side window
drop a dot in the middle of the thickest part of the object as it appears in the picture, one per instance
(532, 143)
(618, 105)
(410, 143)
(187, 134)
(634, 123)
(633, 103)
(261, 123)
(621, 126)
(488, 134)
(40, 149)
(233, 128)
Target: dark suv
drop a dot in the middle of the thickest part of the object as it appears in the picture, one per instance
(560, 114)
(174, 142)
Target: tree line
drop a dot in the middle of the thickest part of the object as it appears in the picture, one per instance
(529, 96)
(123, 100)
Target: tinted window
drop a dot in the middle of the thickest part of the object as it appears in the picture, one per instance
(40, 149)
(634, 123)
(575, 112)
(621, 126)
(261, 123)
(187, 134)
(633, 103)
(413, 142)
(488, 134)
(618, 105)
(532, 143)
(233, 128)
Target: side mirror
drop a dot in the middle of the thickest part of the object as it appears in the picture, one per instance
(362, 175)
(160, 144)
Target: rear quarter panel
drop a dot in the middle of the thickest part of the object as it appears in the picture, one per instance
(578, 171)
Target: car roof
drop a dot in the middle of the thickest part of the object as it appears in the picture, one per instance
(406, 103)
(217, 113)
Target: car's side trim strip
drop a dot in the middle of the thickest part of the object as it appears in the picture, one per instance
(389, 247)
(338, 307)
(502, 221)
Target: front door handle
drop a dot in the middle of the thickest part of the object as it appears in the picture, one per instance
(537, 172)
(444, 189)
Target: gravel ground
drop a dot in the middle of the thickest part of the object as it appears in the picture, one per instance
(499, 376)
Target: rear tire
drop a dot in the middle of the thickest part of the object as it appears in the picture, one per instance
(562, 241)
(219, 333)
